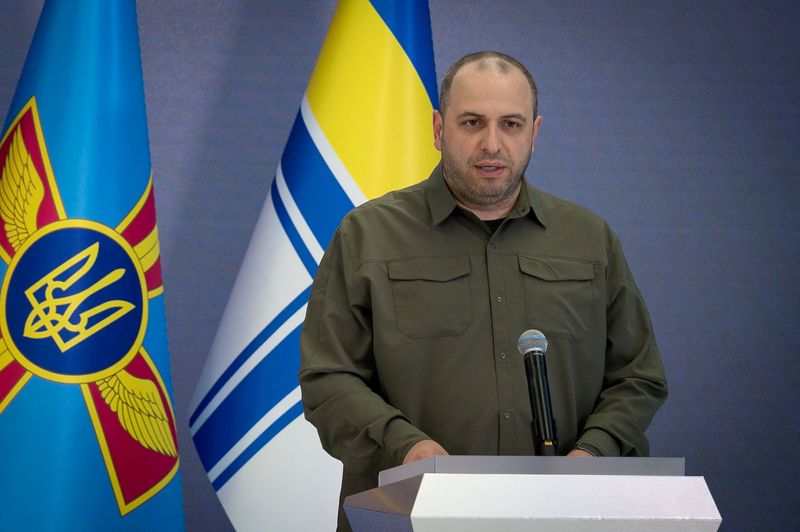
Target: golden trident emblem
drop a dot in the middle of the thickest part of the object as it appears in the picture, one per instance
(54, 316)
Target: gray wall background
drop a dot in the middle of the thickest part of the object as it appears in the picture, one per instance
(677, 121)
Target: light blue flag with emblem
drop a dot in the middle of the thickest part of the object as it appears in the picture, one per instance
(364, 128)
(87, 430)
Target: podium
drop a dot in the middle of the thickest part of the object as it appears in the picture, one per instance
(535, 493)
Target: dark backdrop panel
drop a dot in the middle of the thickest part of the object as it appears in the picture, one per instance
(677, 121)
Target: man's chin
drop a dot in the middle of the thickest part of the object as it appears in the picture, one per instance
(496, 193)
(490, 197)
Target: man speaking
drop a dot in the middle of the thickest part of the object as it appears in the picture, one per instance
(409, 343)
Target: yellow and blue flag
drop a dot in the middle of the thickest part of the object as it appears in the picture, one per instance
(87, 432)
(364, 128)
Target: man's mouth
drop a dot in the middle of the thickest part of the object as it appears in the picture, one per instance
(490, 169)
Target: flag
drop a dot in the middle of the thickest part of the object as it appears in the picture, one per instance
(364, 127)
(87, 431)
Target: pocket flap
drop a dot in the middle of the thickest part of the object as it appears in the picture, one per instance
(556, 269)
(438, 269)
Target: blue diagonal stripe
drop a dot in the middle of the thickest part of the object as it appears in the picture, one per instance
(273, 430)
(248, 351)
(410, 23)
(291, 232)
(313, 186)
(273, 378)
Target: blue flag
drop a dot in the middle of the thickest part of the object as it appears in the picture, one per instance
(87, 432)
(364, 128)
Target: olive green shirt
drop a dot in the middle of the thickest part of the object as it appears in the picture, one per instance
(413, 322)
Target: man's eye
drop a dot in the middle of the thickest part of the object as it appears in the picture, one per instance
(472, 122)
(513, 125)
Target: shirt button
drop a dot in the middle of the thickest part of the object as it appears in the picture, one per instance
(498, 299)
(491, 246)
(507, 414)
(503, 355)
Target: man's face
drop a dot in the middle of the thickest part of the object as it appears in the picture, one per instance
(486, 135)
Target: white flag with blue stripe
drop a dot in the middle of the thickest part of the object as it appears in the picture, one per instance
(364, 128)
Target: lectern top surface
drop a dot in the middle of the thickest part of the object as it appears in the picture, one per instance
(536, 465)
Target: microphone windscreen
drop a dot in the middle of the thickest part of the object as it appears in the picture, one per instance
(532, 340)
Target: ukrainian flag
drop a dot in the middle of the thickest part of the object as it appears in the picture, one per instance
(364, 128)
(87, 430)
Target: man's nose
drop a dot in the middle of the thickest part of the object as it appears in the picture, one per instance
(491, 139)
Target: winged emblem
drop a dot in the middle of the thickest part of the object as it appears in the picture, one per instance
(21, 193)
(131, 405)
(140, 410)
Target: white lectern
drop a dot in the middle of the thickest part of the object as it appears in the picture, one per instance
(516, 493)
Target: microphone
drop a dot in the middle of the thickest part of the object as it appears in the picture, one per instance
(532, 345)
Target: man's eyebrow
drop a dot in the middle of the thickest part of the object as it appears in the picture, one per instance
(471, 114)
(465, 114)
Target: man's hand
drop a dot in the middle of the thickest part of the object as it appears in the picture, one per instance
(579, 452)
(423, 449)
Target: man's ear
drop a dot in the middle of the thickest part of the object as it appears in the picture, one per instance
(536, 125)
(438, 125)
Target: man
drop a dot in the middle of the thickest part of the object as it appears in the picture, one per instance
(409, 344)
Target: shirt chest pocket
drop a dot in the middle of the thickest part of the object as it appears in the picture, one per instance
(431, 296)
(559, 295)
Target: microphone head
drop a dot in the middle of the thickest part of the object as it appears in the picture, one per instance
(531, 340)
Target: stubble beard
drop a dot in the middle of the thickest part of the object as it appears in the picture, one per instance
(484, 194)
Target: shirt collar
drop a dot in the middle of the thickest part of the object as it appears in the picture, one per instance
(530, 203)
(441, 202)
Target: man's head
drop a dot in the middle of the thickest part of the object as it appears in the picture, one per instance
(501, 60)
(486, 129)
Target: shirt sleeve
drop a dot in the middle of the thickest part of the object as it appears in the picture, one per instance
(634, 384)
(338, 380)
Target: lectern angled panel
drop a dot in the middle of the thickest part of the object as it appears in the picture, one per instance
(386, 509)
